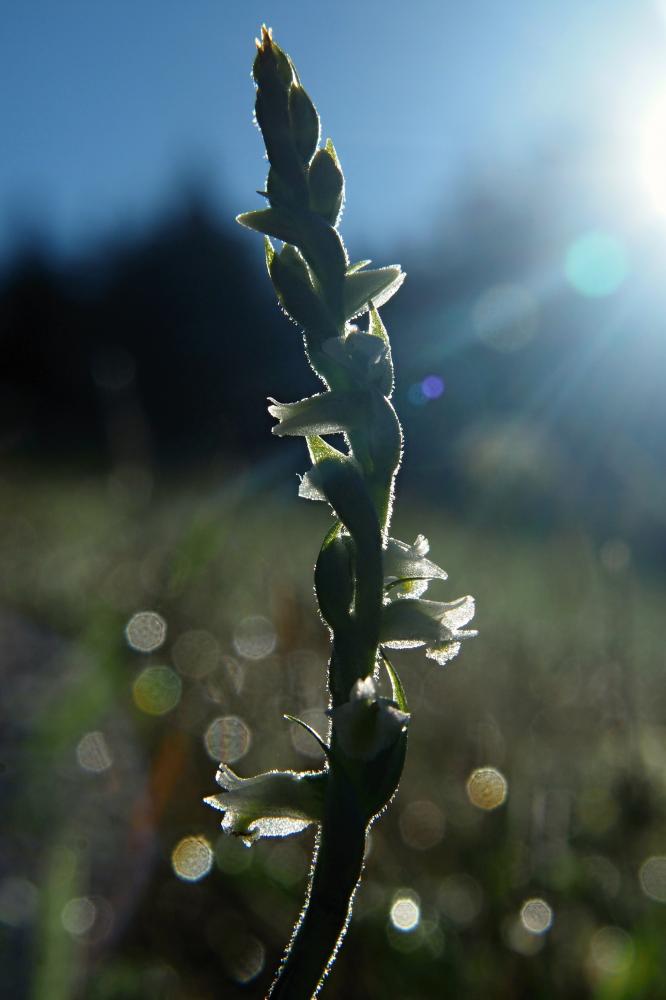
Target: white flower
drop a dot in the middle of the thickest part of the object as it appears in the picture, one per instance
(273, 804)
(407, 572)
(408, 624)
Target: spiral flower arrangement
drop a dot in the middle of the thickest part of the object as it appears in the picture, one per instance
(369, 586)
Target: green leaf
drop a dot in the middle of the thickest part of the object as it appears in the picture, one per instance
(385, 377)
(344, 487)
(272, 222)
(319, 450)
(358, 266)
(376, 326)
(270, 253)
(313, 732)
(399, 696)
(330, 149)
(362, 287)
(339, 479)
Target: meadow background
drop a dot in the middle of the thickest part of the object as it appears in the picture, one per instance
(515, 164)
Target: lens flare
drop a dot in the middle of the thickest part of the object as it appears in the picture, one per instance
(93, 754)
(254, 638)
(536, 916)
(78, 916)
(432, 386)
(596, 264)
(652, 876)
(506, 317)
(611, 951)
(421, 825)
(157, 690)
(227, 739)
(146, 631)
(248, 960)
(192, 859)
(405, 912)
(487, 788)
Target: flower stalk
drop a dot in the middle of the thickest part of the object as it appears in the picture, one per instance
(369, 586)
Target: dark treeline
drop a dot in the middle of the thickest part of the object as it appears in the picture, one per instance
(158, 350)
(537, 402)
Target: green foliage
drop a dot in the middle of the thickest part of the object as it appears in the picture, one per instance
(571, 711)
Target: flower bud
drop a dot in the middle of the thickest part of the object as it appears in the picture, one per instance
(366, 359)
(304, 122)
(274, 75)
(326, 184)
(272, 67)
(334, 579)
(366, 725)
(296, 292)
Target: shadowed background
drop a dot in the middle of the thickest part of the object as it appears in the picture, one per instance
(156, 607)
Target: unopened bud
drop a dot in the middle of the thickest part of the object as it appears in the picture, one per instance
(272, 66)
(366, 725)
(326, 184)
(304, 122)
(295, 291)
(334, 580)
(274, 76)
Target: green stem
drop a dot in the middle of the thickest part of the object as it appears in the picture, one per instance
(367, 606)
(336, 873)
(356, 639)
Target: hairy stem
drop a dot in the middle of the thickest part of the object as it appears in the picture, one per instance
(336, 873)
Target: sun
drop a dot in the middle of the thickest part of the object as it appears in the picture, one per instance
(652, 156)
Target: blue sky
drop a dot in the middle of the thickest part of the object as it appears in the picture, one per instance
(107, 108)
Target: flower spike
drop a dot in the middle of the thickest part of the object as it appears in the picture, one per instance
(369, 586)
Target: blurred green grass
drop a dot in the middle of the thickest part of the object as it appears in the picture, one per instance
(562, 693)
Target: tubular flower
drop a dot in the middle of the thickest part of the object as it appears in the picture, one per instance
(274, 804)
